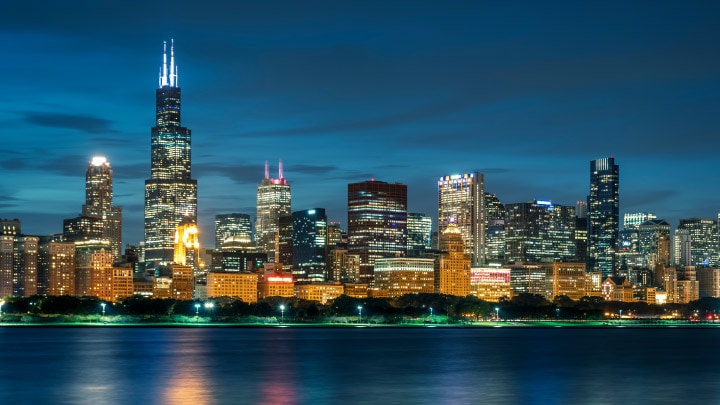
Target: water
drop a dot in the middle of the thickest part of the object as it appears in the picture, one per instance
(358, 366)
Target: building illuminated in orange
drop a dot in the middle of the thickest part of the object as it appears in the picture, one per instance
(243, 286)
(490, 283)
(101, 274)
(569, 279)
(183, 282)
(60, 259)
(276, 284)
(319, 292)
(452, 268)
(405, 275)
(122, 283)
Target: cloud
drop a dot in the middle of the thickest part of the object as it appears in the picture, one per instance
(83, 123)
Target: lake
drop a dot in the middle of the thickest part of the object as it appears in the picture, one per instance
(371, 365)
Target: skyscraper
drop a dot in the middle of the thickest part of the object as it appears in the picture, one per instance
(696, 242)
(377, 223)
(98, 203)
(419, 228)
(171, 192)
(461, 200)
(603, 216)
(309, 245)
(227, 225)
(539, 231)
(273, 202)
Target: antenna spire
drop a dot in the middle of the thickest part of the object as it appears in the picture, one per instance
(173, 68)
(164, 70)
(280, 171)
(267, 170)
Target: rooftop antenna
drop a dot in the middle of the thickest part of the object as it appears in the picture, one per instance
(173, 68)
(267, 170)
(280, 171)
(164, 78)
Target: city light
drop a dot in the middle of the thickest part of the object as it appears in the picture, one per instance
(359, 313)
(282, 313)
(102, 304)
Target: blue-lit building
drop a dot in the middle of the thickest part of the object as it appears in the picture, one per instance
(377, 223)
(419, 228)
(309, 245)
(171, 192)
(603, 216)
(539, 231)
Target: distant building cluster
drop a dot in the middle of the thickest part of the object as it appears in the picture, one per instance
(482, 247)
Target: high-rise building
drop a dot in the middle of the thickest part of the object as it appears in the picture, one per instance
(696, 242)
(273, 202)
(405, 275)
(452, 267)
(461, 200)
(419, 228)
(377, 223)
(57, 268)
(654, 237)
(25, 266)
(495, 218)
(171, 192)
(309, 245)
(632, 220)
(539, 231)
(229, 225)
(99, 203)
(603, 216)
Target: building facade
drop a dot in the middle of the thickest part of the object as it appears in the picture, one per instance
(99, 203)
(377, 223)
(273, 202)
(603, 216)
(405, 275)
(419, 228)
(231, 225)
(171, 192)
(539, 231)
(309, 245)
(461, 200)
(452, 267)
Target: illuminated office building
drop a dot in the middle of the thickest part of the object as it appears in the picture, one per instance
(490, 283)
(377, 223)
(632, 220)
(696, 242)
(603, 216)
(495, 218)
(405, 275)
(273, 202)
(57, 268)
(539, 231)
(419, 229)
(654, 242)
(171, 192)
(87, 254)
(230, 225)
(452, 267)
(309, 245)
(98, 203)
(186, 251)
(461, 200)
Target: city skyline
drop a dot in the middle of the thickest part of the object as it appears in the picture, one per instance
(343, 94)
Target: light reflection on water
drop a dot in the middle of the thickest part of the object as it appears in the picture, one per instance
(357, 366)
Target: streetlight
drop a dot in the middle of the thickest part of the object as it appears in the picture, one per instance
(497, 313)
(360, 313)
(1, 304)
(102, 304)
(557, 313)
(197, 309)
(209, 305)
(282, 313)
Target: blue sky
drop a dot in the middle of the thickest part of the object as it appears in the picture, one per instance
(525, 92)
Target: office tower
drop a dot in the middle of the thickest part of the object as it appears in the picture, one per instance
(273, 201)
(87, 253)
(490, 283)
(419, 229)
(171, 192)
(25, 265)
(309, 245)
(632, 220)
(186, 251)
(101, 275)
(228, 225)
(335, 235)
(377, 223)
(654, 242)
(56, 267)
(461, 200)
(603, 216)
(98, 203)
(284, 246)
(495, 217)
(539, 231)
(709, 282)
(696, 242)
(452, 267)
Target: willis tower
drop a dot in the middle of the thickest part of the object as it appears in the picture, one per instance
(171, 192)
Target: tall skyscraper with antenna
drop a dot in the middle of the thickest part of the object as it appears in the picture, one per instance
(273, 202)
(171, 192)
(98, 202)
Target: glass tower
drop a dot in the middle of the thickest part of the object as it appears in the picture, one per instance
(228, 225)
(171, 192)
(98, 203)
(309, 244)
(377, 223)
(461, 200)
(273, 202)
(419, 229)
(603, 216)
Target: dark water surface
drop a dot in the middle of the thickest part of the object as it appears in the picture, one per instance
(358, 366)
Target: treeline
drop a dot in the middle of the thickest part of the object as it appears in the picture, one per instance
(424, 307)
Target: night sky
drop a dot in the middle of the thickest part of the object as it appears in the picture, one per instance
(525, 92)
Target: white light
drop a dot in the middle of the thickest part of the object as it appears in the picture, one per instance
(98, 160)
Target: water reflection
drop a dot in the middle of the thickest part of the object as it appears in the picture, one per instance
(188, 371)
